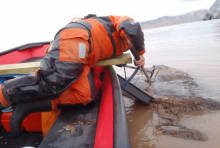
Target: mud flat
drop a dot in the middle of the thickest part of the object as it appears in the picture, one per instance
(175, 94)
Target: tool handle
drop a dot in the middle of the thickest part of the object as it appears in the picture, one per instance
(133, 51)
(131, 77)
(146, 75)
(136, 56)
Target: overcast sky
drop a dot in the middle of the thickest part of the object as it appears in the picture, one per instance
(26, 21)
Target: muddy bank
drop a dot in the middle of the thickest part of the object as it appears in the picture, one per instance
(175, 94)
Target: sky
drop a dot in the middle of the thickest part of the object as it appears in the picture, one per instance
(29, 21)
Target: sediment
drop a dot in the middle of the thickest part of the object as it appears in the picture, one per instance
(175, 93)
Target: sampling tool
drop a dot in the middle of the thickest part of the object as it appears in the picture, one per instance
(150, 79)
(137, 58)
(133, 90)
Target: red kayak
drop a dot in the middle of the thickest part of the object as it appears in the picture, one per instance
(100, 124)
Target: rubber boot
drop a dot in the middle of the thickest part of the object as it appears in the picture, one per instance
(20, 111)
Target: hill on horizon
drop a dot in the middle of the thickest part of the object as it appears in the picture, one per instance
(173, 20)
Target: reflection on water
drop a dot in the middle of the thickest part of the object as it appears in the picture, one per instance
(192, 48)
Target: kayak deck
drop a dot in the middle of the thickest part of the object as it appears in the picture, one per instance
(75, 127)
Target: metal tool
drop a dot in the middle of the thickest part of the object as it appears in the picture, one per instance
(149, 71)
(137, 58)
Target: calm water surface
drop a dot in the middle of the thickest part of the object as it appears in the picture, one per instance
(193, 48)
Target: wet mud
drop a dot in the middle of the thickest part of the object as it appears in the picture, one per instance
(175, 93)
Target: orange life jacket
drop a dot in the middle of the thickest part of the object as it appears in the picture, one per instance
(107, 36)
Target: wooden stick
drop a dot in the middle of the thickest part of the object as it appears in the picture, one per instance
(24, 68)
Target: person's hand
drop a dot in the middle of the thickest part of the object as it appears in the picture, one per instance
(141, 62)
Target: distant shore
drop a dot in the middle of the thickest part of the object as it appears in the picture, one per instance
(173, 20)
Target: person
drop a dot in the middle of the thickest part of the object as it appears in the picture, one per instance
(65, 77)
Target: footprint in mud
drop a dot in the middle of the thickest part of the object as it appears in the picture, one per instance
(175, 93)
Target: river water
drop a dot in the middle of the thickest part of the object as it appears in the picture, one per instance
(193, 48)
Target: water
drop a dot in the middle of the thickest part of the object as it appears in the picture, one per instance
(193, 48)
